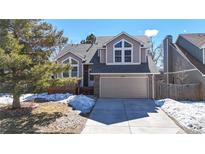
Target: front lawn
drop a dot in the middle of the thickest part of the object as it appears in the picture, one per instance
(41, 118)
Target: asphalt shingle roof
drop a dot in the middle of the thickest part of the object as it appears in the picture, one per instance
(198, 39)
(149, 67)
(87, 51)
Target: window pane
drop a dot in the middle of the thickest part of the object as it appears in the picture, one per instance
(118, 59)
(127, 45)
(66, 62)
(118, 45)
(66, 74)
(73, 61)
(127, 59)
(118, 52)
(127, 55)
(118, 55)
(127, 52)
(74, 72)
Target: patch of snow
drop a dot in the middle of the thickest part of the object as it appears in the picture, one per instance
(78, 102)
(189, 114)
(6, 99)
(81, 102)
(47, 97)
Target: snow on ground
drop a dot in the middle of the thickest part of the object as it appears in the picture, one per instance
(81, 102)
(78, 102)
(189, 114)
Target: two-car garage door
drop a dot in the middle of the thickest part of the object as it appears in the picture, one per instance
(124, 87)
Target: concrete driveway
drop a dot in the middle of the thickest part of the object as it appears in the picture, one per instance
(129, 116)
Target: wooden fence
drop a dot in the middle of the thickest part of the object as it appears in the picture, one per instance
(177, 91)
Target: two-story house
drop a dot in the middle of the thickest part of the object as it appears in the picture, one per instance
(116, 66)
(184, 60)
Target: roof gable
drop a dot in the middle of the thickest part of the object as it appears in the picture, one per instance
(124, 33)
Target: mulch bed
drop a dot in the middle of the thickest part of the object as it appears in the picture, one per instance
(41, 118)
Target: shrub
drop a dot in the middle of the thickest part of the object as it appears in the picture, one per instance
(63, 85)
(60, 82)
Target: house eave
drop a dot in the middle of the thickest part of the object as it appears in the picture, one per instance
(124, 34)
(71, 53)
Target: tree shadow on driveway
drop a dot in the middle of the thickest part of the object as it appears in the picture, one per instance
(112, 111)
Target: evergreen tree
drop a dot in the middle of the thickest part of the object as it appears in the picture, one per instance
(25, 48)
(90, 39)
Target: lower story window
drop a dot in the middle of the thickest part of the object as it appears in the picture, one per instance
(74, 72)
(66, 74)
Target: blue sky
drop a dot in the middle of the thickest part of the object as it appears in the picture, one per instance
(76, 30)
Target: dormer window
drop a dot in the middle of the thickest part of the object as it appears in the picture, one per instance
(122, 52)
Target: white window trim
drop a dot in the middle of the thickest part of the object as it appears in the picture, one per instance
(123, 52)
(72, 65)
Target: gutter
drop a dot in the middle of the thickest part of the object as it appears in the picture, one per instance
(122, 73)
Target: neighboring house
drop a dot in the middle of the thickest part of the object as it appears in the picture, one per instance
(116, 66)
(184, 61)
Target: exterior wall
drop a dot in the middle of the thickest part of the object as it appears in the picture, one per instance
(177, 63)
(97, 85)
(61, 59)
(102, 56)
(143, 55)
(192, 49)
(136, 48)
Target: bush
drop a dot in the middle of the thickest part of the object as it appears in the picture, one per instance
(61, 82)
(63, 85)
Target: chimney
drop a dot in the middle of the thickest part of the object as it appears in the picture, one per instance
(166, 49)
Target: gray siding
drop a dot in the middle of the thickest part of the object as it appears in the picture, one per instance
(102, 56)
(143, 55)
(192, 49)
(136, 48)
(178, 62)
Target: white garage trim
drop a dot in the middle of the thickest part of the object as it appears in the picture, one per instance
(122, 73)
(145, 77)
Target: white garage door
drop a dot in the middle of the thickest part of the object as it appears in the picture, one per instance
(123, 87)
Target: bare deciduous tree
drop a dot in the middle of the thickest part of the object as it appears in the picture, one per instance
(156, 53)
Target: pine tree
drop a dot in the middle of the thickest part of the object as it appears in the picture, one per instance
(90, 39)
(25, 48)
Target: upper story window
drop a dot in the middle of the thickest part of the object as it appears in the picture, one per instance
(123, 51)
(74, 72)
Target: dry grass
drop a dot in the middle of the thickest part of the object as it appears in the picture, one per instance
(46, 118)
